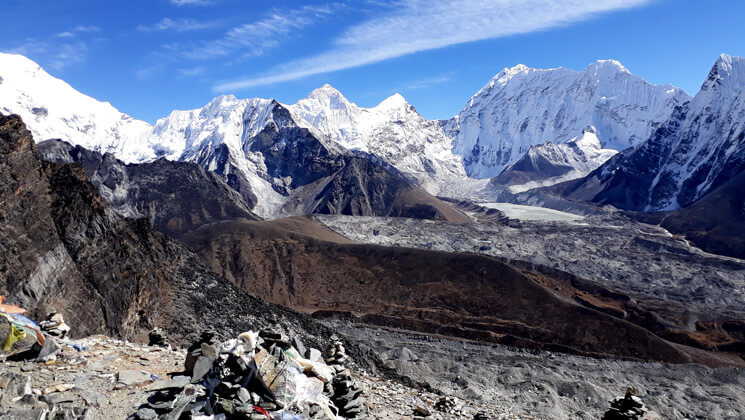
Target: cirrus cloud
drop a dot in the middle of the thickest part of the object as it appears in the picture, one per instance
(419, 25)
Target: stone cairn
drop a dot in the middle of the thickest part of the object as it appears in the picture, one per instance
(257, 376)
(628, 407)
(158, 338)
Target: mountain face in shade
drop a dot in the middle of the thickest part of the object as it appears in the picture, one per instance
(699, 148)
(63, 248)
(716, 222)
(174, 196)
(523, 107)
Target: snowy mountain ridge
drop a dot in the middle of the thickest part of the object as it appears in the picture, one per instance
(522, 107)
(522, 120)
(52, 108)
(393, 130)
(699, 148)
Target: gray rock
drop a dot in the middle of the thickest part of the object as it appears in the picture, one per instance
(298, 344)
(56, 399)
(14, 385)
(209, 350)
(132, 377)
(146, 414)
(201, 367)
(33, 414)
(93, 399)
(177, 382)
(179, 406)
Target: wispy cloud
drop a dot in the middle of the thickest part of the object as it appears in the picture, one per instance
(150, 71)
(78, 29)
(192, 71)
(252, 39)
(54, 55)
(420, 25)
(178, 25)
(83, 28)
(191, 2)
(428, 82)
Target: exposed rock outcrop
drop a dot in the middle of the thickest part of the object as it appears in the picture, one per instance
(64, 249)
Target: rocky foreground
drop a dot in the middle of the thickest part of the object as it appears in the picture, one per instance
(100, 377)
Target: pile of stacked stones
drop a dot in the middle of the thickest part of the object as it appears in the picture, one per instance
(158, 337)
(345, 392)
(254, 377)
(628, 407)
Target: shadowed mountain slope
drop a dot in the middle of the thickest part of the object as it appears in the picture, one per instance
(62, 247)
(174, 196)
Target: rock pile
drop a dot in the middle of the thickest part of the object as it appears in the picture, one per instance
(628, 407)
(26, 403)
(157, 337)
(256, 376)
(445, 404)
(55, 325)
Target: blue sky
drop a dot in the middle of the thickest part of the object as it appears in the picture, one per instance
(149, 57)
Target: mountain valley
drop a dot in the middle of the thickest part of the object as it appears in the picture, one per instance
(333, 222)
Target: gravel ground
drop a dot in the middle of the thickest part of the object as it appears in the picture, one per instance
(516, 383)
(500, 382)
(88, 378)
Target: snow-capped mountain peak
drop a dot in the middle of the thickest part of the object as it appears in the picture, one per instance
(392, 130)
(605, 67)
(51, 108)
(549, 163)
(509, 72)
(522, 107)
(395, 101)
(328, 96)
(727, 73)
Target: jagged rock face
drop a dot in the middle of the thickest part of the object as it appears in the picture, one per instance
(523, 107)
(364, 188)
(32, 256)
(293, 153)
(699, 148)
(174, 196)
(65, 248)
(549, 163)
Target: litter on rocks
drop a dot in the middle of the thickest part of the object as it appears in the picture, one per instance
(257, 375)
